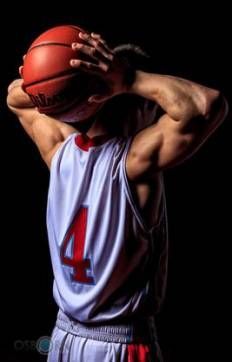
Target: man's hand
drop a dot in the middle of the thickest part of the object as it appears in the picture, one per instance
(103, 63)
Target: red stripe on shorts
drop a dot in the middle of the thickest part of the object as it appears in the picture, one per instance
(138, 353)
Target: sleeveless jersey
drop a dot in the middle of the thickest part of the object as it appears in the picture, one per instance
(107, 264)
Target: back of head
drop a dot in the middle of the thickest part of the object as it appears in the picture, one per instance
(129, 113)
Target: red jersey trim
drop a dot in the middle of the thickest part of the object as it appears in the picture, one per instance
(85, 142)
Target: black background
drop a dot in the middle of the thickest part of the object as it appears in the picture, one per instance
(187, 40)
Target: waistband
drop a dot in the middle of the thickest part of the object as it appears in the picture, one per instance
(142, 331)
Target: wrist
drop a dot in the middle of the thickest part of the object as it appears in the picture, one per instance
(141, 84)
(129, 77)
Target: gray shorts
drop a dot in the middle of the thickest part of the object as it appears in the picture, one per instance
(74, 342)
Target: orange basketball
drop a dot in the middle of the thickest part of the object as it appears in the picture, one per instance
(50, 81)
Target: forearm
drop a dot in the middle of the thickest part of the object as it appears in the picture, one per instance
(20, 104)
(181, 99)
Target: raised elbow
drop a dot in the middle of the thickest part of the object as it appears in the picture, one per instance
(216, 106)
(9, 101)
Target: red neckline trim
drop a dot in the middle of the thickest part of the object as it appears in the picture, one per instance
(85, 142)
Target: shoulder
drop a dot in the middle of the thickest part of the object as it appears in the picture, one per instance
(47, 132)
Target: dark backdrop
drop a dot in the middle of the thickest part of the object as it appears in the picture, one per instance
(187, 40)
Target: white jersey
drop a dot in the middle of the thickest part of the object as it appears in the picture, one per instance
(107, 264)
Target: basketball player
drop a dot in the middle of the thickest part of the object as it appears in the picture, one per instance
(106, 215)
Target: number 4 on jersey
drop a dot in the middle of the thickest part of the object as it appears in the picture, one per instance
(72, 249)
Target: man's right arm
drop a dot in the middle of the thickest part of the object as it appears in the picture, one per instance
(47, 132)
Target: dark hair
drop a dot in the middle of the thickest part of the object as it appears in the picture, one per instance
(137, 57)
(128, 109)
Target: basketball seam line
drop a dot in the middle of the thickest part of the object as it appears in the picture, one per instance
(49, 43)
(55, 76)
(75, 27)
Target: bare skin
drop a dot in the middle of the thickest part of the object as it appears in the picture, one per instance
(192, 113)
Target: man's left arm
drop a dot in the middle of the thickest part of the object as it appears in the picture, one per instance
(191, 113)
